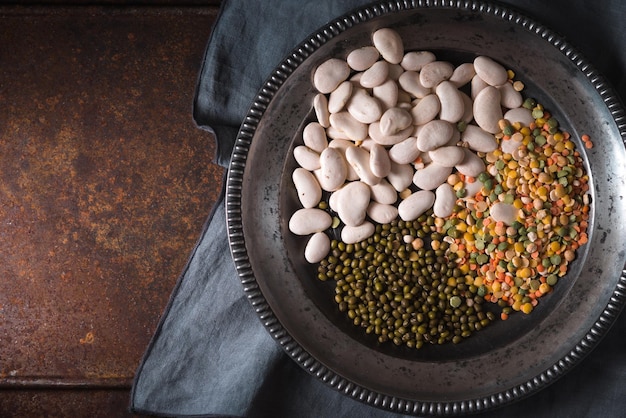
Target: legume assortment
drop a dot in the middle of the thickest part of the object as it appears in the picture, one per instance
(429, 190)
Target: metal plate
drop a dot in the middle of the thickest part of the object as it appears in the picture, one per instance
(526, 353)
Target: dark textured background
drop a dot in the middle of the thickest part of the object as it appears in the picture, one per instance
(105, 183)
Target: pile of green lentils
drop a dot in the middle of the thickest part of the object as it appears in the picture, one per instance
(401, 294)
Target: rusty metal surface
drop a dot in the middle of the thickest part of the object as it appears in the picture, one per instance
(105, 183)
(76, 403)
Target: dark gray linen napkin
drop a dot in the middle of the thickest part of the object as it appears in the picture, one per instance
(210, 355)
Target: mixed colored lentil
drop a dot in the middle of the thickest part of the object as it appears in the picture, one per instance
(514, 265)
(430, 280)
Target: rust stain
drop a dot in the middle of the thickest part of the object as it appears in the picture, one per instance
(105, 183)
(88, 339)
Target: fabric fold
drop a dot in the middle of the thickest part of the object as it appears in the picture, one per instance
(210, 343)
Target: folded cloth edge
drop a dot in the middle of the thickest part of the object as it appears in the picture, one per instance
(170, 301)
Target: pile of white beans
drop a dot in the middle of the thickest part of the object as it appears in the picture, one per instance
(392, 126)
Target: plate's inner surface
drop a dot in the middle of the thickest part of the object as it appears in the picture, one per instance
(322, 293)
(526, 344)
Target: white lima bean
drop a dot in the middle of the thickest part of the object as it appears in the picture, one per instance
(452, 106)
(384, 193)
(386, 94)
(426, 109)
(363, 107)
(333, 170)
(434, 134)
(308, 221)
(447, 156)
(351, 202)
(463, 74)
(503, 212)
(342, 145)
(472, 165)
(445, 199)
(490, 71)
(375, 75)
(399, 126)
(359, 159)
(404, 152)
(487, 110)
(320, 105)
(395, 120)
(478, 139)
(431, 176)
(468, 106)
(354, 234)
(415, 60)
(389, 43)
(380, 164)
(382, 139)
(309, 190)
(509, 97)
(471, 189)
(346, 123)
(314, 137)
(306, 157)
(330, 74)
(334, 133)
(381, 213)
(339, 97)
(400, 176)
(410, 82)
(417, 203)
(509, 146)
(435, 72)
(317, 248)
(362, 58)
(521, 115)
